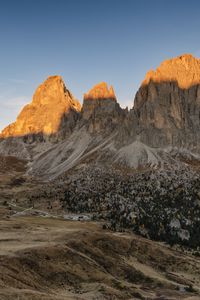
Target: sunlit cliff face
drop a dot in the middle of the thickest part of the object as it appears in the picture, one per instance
(100, 91)
(184, 69)
(51, 103)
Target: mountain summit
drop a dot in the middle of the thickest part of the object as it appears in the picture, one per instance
(53, 110)
(99, 92)
(100, 108)
(167, 105)
(184, 69)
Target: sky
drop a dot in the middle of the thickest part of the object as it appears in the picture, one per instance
(89, 41)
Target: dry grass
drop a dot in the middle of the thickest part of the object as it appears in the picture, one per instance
(42, 258)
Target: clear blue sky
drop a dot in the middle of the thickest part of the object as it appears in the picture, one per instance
(88, 41)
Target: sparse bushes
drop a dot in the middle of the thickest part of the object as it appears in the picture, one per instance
(147, 203)
(17, 181)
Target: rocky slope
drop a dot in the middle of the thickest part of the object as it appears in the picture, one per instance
(158, 204)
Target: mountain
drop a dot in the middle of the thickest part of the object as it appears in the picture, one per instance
(52, 112)
(93, 137)
(167, 105)
(164, 123)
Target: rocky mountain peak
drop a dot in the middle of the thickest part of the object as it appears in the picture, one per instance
(100, 108)
(52, 107)
(184, 69)
(167, 105)
(100, 92)
(53, 91)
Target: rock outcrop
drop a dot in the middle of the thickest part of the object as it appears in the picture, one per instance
(167, 106)
(100, 109)
(52, 113)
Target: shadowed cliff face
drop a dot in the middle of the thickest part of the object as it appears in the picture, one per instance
(101, 110)
(167, 105)
(166, 113)
(53, 110)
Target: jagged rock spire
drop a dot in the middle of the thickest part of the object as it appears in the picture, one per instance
(100, 91)
(52, 106)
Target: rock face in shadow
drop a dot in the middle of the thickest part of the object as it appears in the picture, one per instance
(167, 106)
(166, 114)
(53, 111)
(100, 109)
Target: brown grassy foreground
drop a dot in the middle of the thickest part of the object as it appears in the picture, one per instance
(43, 258)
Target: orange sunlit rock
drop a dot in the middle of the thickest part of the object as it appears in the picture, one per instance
(100, 91)
(184, 69)
(51, 105)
